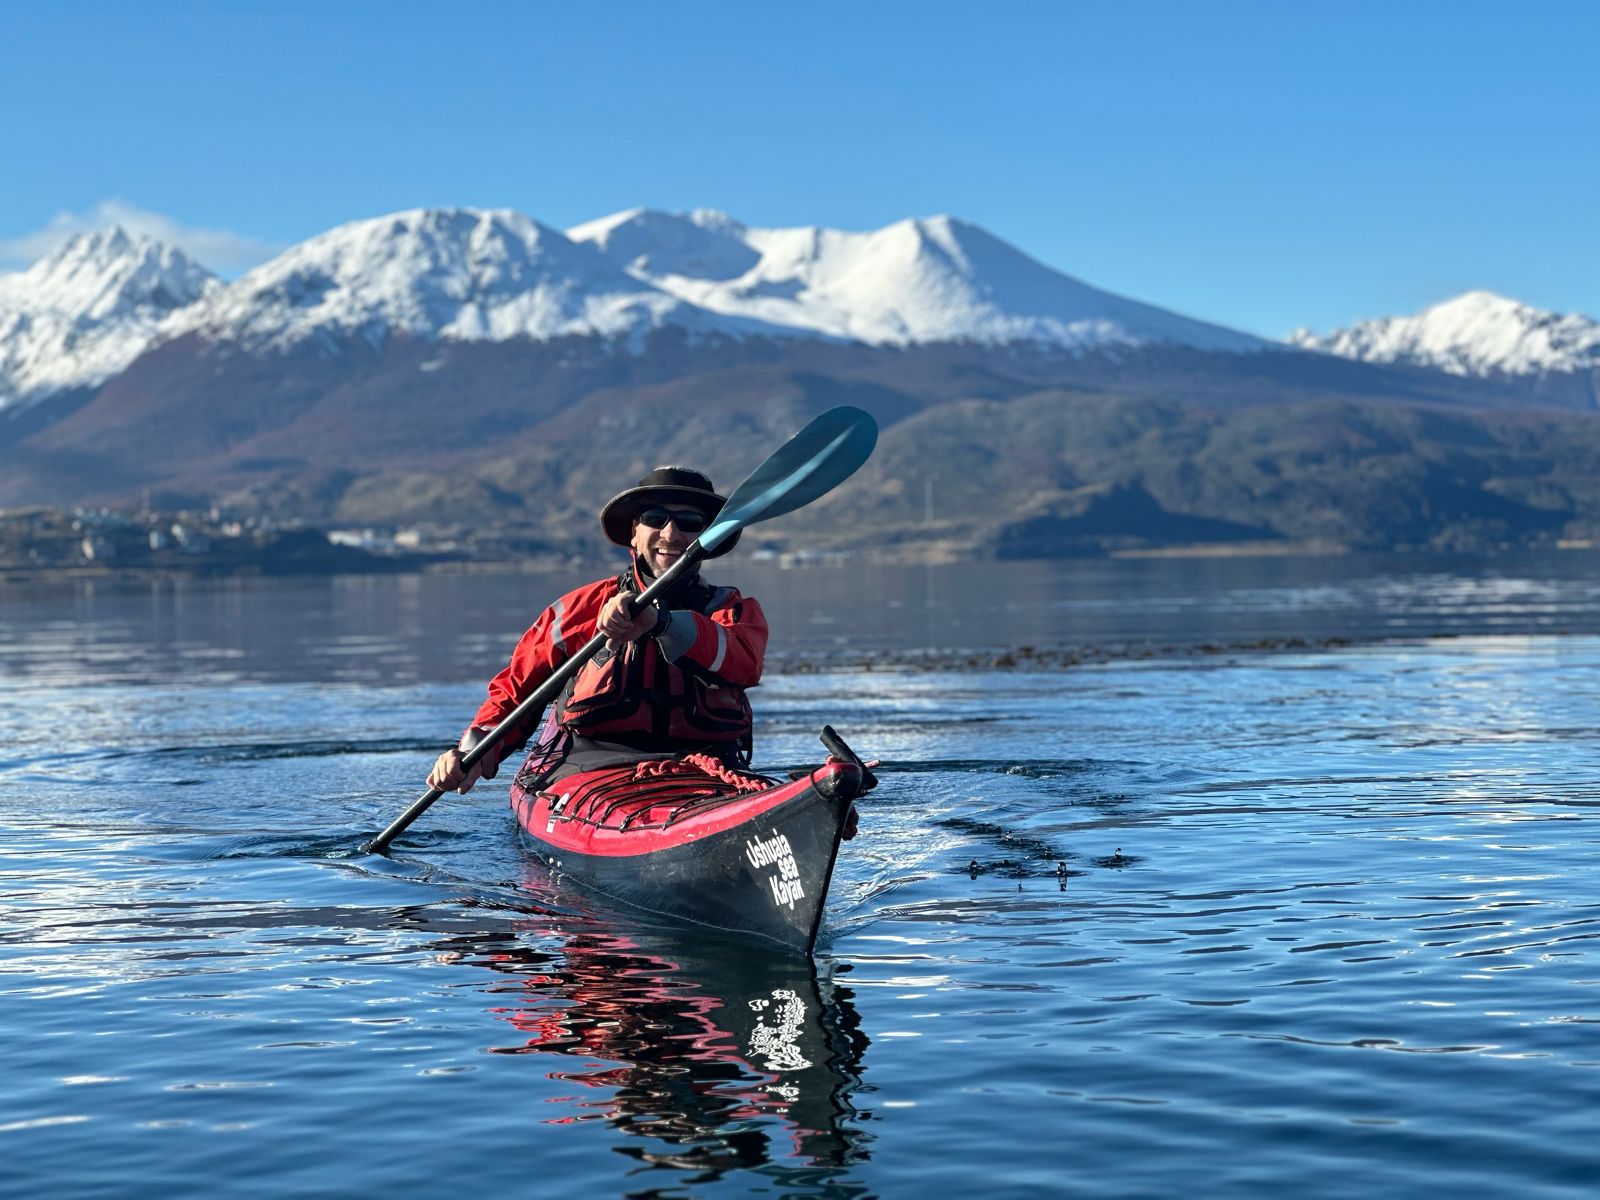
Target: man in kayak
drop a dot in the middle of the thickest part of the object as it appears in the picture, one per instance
(671, 680)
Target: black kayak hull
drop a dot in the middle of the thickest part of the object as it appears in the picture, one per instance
(756, 863)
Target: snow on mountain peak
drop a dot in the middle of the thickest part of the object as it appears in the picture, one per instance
(916, 280)
(106, 273)
(704, 244)
(83, 313)
(1477, 333)
(472, 274)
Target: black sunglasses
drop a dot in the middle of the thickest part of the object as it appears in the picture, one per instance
(687, 522)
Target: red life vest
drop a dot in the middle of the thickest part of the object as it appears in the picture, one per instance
(637, 695)
(637, 691)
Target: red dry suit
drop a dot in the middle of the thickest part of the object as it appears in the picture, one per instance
(637, 698)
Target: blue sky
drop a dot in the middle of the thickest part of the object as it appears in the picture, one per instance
(1264, 165)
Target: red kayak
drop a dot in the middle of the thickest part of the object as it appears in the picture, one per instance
(695, 840)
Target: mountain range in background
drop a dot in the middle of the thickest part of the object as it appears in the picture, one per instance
(1478, 334)
(478, 369)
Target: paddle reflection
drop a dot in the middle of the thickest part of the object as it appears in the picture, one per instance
(712, 1052)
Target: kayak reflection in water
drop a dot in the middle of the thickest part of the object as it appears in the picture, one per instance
(713, 1056)
(671, 679)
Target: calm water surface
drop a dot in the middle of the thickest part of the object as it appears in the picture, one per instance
(1316, 923)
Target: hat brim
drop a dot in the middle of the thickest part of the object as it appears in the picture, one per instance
(616, 518)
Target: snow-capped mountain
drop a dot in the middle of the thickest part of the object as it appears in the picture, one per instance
(1474, 334)
(930, 280)
(78, 316)
(460, 274)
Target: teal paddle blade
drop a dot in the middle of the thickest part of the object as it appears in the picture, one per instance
(812, 463)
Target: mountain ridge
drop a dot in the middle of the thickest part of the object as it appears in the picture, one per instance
(496, 275)
(1477, 333)
(83, 313)
(476, 369)
(914, 281)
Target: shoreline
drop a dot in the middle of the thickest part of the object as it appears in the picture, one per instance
(1026, 659)
(937, 556)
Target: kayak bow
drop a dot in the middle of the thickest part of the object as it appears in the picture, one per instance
(691, 839)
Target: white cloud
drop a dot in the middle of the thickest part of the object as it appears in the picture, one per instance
(222, 250)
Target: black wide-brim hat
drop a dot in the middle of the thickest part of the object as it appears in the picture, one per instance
(664, 485)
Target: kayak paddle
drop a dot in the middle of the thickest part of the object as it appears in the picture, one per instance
(810, 464)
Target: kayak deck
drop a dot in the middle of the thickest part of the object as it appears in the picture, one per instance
(654, 795)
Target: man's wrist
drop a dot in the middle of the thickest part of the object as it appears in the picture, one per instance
(663, 620)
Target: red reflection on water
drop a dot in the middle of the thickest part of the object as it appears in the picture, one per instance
(705, 1045)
